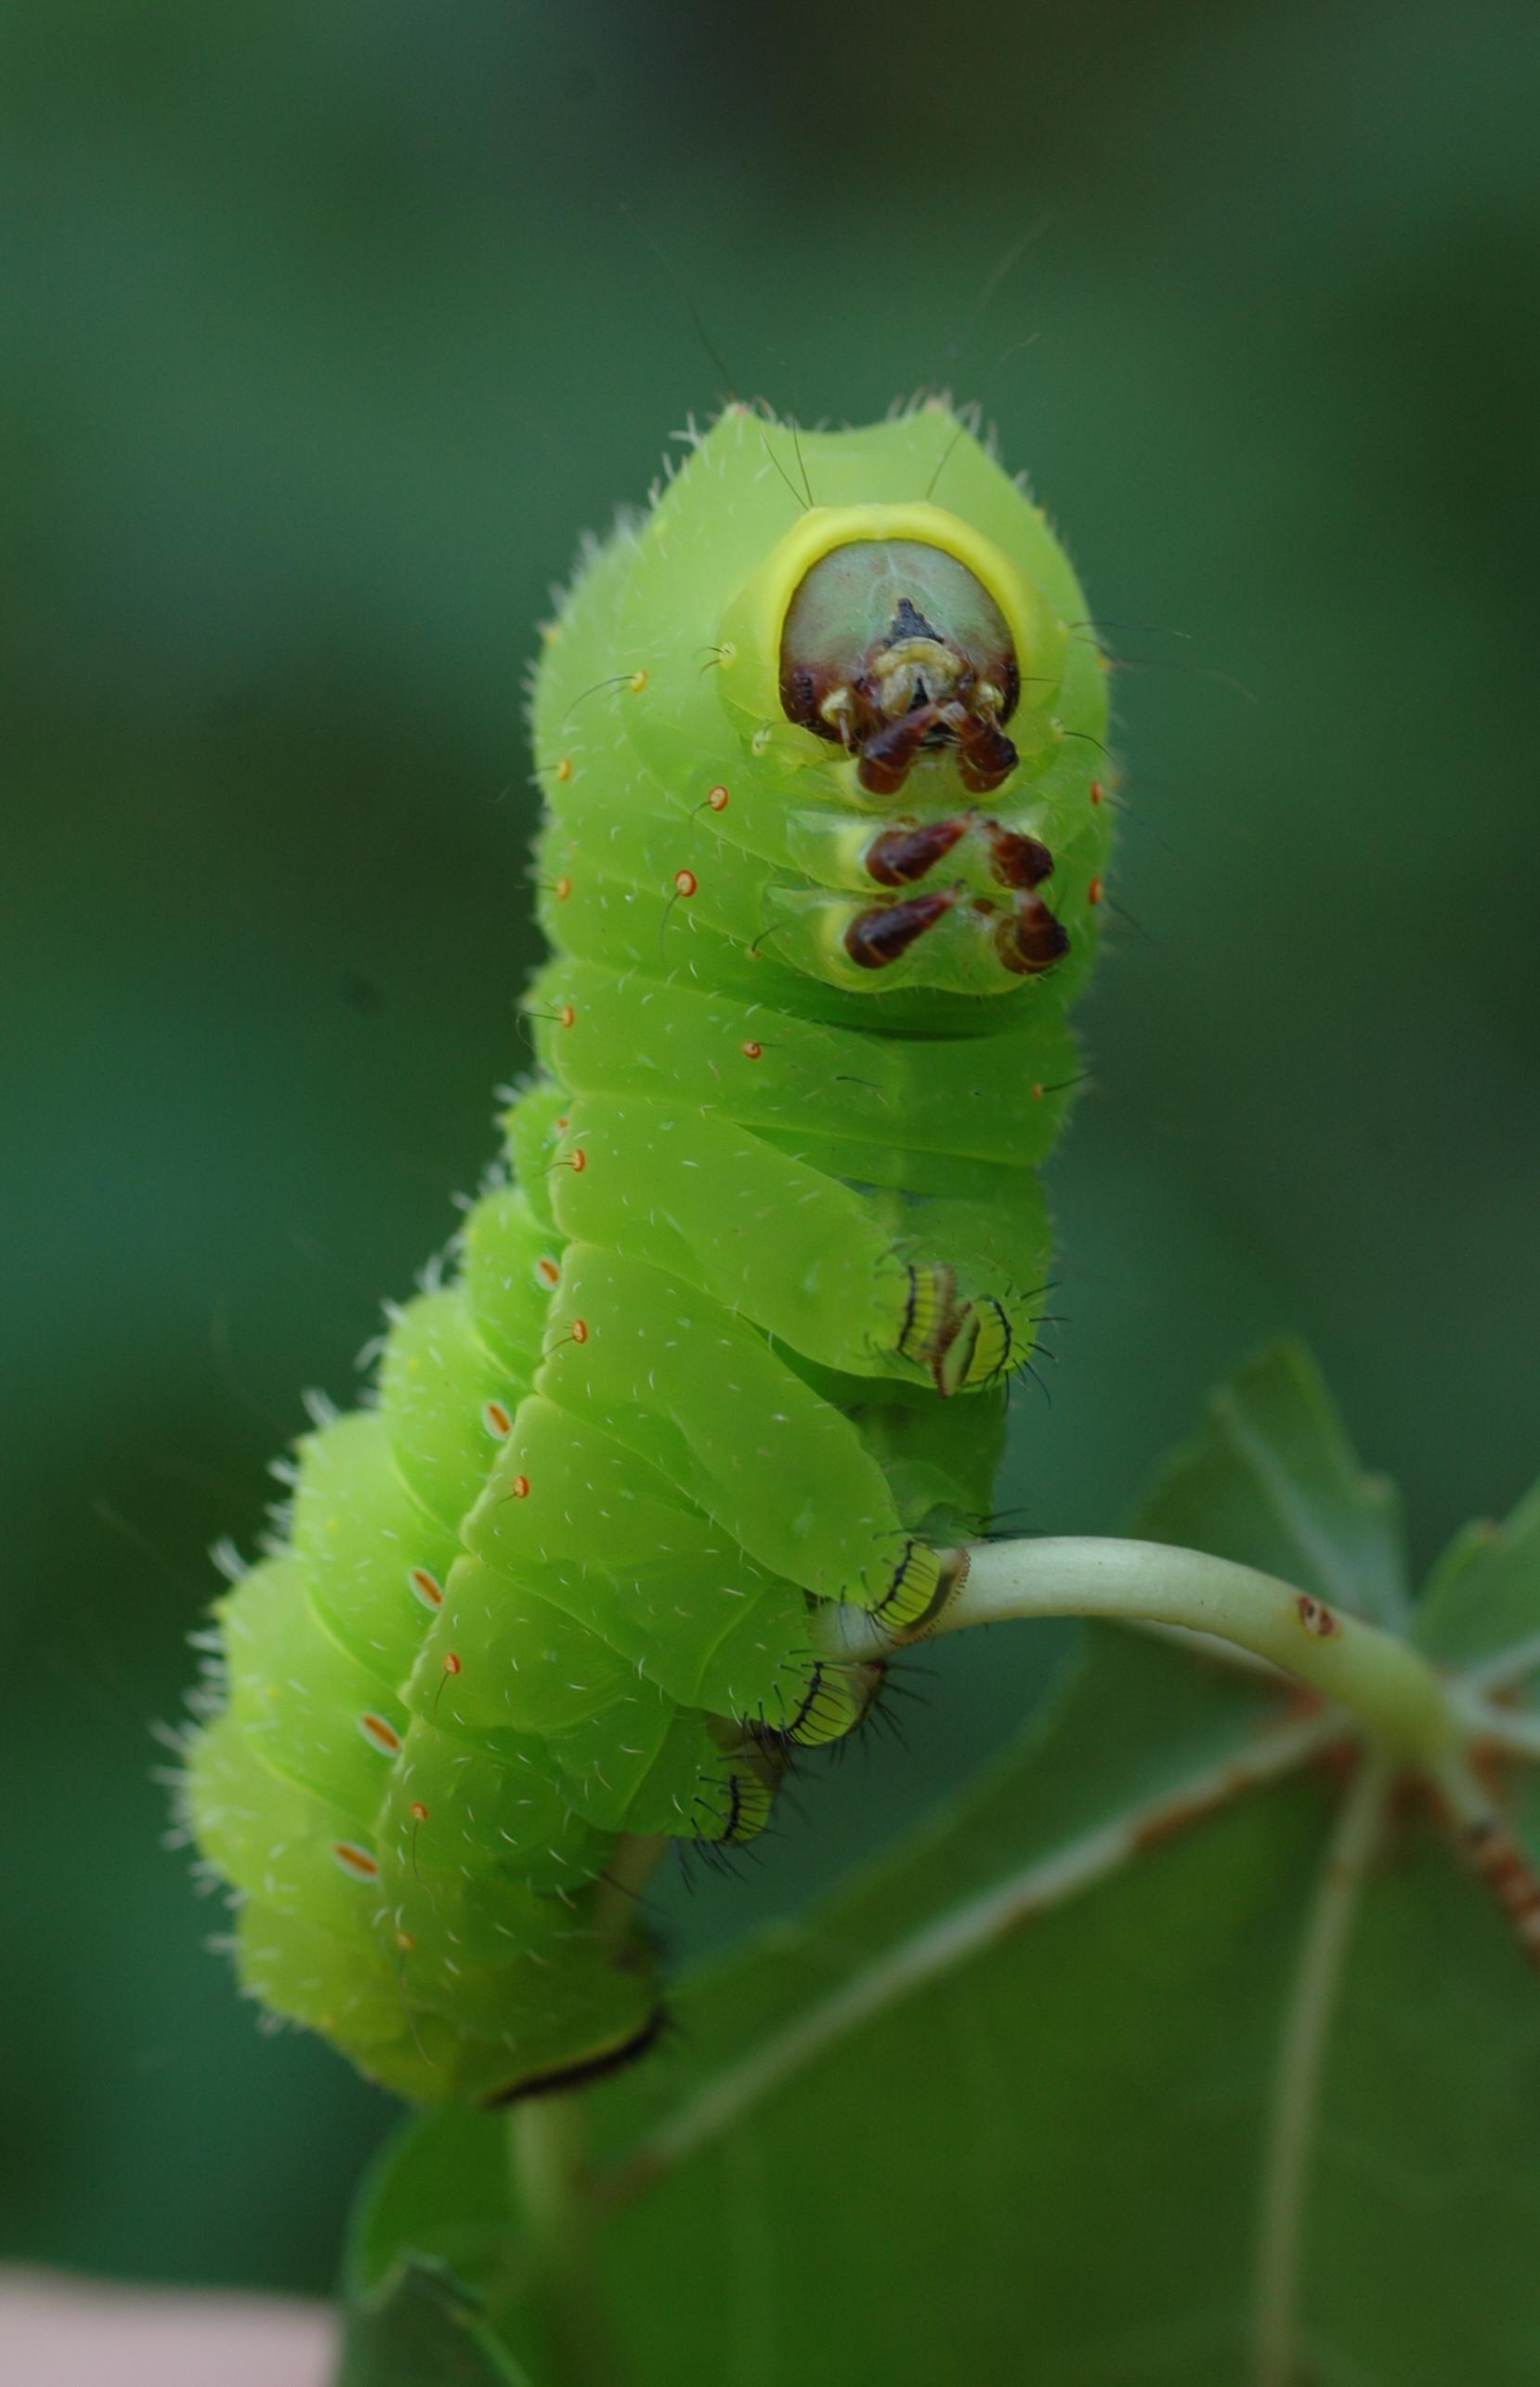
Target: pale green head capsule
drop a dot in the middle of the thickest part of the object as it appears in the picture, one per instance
(896, 651)
(904, 636)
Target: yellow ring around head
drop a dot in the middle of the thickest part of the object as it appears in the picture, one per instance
(749, 676)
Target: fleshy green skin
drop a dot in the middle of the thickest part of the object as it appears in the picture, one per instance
(763, 1206)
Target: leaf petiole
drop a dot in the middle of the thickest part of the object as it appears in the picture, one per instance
(1401, 1702)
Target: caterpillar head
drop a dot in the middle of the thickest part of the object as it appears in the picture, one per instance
(880, 716)
(895, 649)
(902, 635)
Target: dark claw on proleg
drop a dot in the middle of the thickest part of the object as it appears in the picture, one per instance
(899, 856)
(887, 753)
(1031, 940)
(879, 936)
(1015, 859)
(986, 755)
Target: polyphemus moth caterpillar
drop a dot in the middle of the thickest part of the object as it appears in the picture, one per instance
(730, 1331)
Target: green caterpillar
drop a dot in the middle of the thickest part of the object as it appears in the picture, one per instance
(730, 1336)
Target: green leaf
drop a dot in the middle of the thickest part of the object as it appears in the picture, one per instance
(1272, 1480)
(448, 2204)
(1484, 1593)
(420, 2328)
(1005, 2108)
(429, 2251)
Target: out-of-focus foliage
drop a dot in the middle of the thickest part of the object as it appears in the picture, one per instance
(329, 327)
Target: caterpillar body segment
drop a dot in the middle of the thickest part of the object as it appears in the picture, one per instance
(613, 908)
(674, 1594)
(534, 1125)
(445, 1399)
(366, 1553)
(512, 1262)
(697, 1392)
(300, 1699)
(408, 1941)
(940, 1464)
(841, 1276)
(730, 1336)
(1000, 1098)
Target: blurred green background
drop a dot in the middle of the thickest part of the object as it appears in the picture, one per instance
(330, 326)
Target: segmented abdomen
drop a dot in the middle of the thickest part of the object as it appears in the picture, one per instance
(729, 1340)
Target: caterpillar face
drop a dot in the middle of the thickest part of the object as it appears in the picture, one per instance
(729, 1335)
(895, 650)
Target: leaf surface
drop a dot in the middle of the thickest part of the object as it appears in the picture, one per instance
(418, 2327)
(1004, 2108)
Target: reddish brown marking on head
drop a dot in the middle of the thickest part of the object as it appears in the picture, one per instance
(579, 1330)
(985, 755)
(427, 1587)
(1031, 940)
(379, 1734)
(417, 1811)
(451, 1661)
(890, 648)
(718, 798)
(356, 1860)
(496, 1419)
(751, 1051)
(685, 882)
(1097, 792)
(547, 1271)
(1017, 859)
(899, 856)
(879, 936)
(1093, 893)
(1316, 1617)
(519, 1488)
(578, 1162)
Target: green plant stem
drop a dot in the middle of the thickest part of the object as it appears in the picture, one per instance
(552, 2186)
(632, 1863)
(1396, 1696)
(547, 2150)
